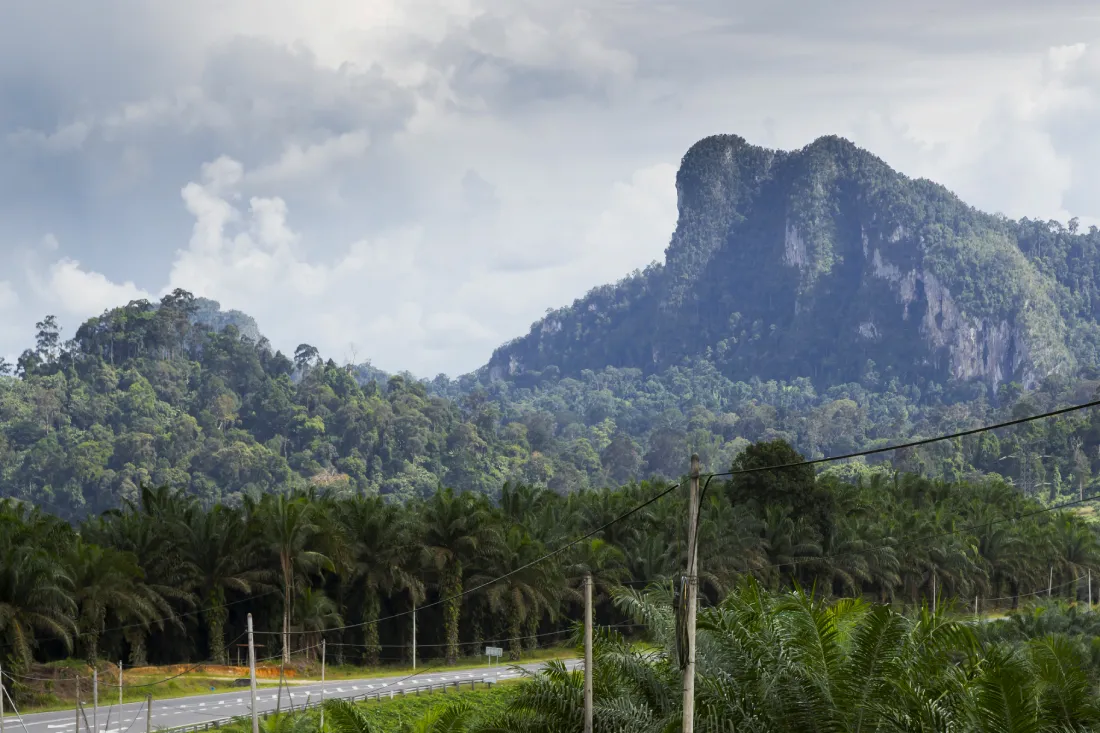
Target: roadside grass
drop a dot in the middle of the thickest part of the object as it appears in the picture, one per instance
(348, 672)
(50, 696)
(393, 716)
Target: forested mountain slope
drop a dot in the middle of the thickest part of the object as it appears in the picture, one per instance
(814, 296)
(810, 263)
(824, 298)
(149, 394)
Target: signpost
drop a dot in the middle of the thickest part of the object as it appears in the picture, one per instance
(493, 651)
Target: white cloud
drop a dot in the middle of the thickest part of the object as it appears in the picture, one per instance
(80, 293)
(8, 297)
(637, 223)
(300, 163)
(425, 177)
(64, 139)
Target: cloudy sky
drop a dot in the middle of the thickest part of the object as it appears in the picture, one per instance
(417, 181)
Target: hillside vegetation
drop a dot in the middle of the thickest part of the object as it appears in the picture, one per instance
(167, 580)
(814, 296)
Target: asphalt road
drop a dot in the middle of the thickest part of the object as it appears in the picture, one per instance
(200, 709)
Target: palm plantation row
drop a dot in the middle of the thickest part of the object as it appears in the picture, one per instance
(787, 662)
(167, 580)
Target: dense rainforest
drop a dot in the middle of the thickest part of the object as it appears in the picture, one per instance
(813, 296)
(150, 394)
(167, 579)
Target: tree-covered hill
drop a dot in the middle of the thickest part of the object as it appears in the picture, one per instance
(145, 394)
(813, 296)
(810, 263)
(820, 297)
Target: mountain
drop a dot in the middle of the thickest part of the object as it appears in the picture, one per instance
(813, 263)
(210, 314)
(815, 297)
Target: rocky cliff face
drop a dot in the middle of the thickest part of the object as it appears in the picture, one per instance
(815, 263)
(210, 313)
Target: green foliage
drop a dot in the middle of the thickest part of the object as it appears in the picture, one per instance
(793, 662)
(166, 580)
(146, 395)
(467, 710)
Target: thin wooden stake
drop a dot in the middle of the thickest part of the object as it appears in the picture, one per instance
(588, 653)
(252, 676)
(691, 589)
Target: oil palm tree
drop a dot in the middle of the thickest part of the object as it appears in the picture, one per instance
(107, 581)
(36, 588)
(313, 613)
(219, 556)
(289, 530)
(454, 529)
(151, 531)
(523, 589)
(790, 662)
(382, 559)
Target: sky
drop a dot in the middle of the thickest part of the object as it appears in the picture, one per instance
(415, 182)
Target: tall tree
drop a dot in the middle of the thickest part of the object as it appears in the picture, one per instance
(289, 529)
(220, 555)
(383, 559)
(454, 528)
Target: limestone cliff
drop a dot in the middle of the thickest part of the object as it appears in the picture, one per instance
(817, 262)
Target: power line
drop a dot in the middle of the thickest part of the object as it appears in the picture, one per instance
(914, 443)
(659, 495)
(187, 614)
(758, 469)
(926, 538)
(665, 492)
(462, 643)
(1039, 592)
(900, 446)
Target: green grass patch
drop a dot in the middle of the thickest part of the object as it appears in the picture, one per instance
(108, 694)
(392, 715)
(351, 672)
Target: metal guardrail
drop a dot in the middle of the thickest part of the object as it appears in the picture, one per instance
(389, 693)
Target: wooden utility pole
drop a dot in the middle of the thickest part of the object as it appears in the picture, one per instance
(279, 695)
(322, 685)
(691, 597)
(588, 653)
(252, 676)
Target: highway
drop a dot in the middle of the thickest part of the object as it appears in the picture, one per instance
(201, 709)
